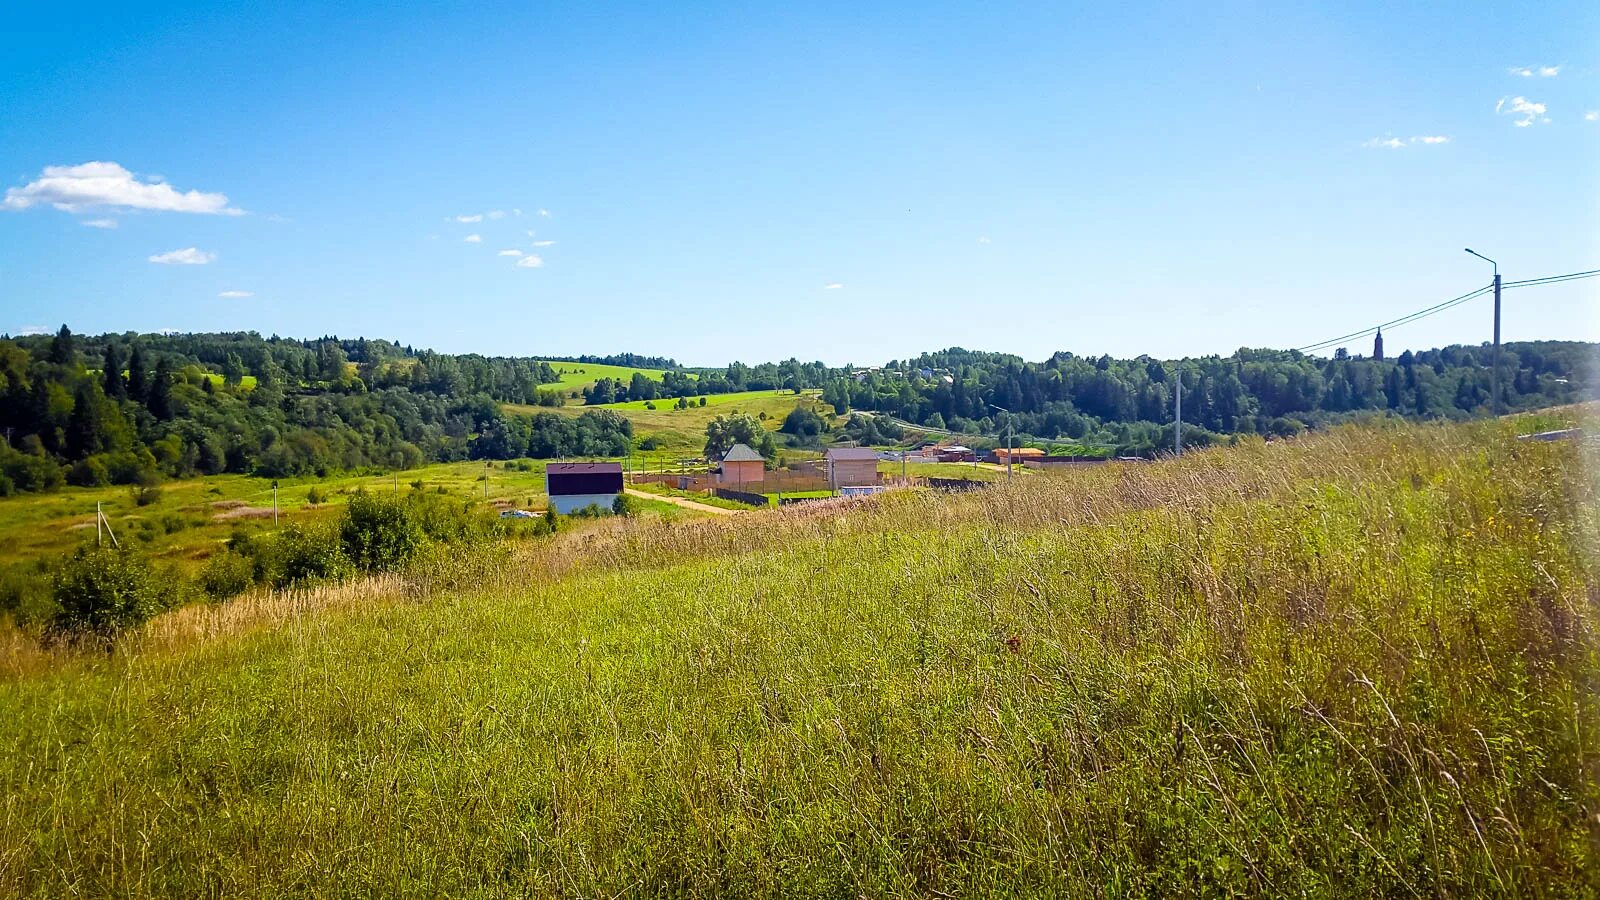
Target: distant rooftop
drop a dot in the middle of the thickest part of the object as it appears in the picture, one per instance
(741, 453)
(583, 468)
(843, 453)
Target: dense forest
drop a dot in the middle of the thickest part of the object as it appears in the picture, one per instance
(1128, 403)
(132, 409)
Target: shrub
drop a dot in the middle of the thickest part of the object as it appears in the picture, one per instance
(314, 496)
(89, 472)
(101, 592)
(624, 506)
(379, 533)
(227, 574)
(301, 555)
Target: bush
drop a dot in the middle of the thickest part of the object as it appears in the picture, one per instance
(227, 574)
(379, 533)
(89, 472)
(301, 555)
(624, 506)
(102, 592)
(314, 496)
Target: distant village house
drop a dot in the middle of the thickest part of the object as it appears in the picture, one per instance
(851, 467)
(741, 465)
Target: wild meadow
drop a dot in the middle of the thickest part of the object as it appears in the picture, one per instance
(1363, 662)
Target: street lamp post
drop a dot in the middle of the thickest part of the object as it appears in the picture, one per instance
(1494, 382)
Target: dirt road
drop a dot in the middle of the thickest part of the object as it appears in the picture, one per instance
(680, 501)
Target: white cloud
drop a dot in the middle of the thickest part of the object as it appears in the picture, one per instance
(544, 213)
(473, 239)
(101, 223)
(468, 220)
(94, 185)
(984, 239)
(543, 243)
(510, 252)
(1531, 71)
(531, 262)
(1529, 111)
(832, 286)
(516, 212)
(34, 329)
(188, 256)
(236, 295)
(496, 214)
(1592, 115)
(1394, 143)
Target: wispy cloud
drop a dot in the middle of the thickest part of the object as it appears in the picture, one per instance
(466, 220)
(496, 214)
(531, 262)
(543, 243)
(100, 223)
(1394, 143)
(544, 213)
(473, 239)
(94, 185)
(1535, 71)
(33, 329)
(510, 252)
(984, 239)
(833, 286)
(1592, 115)
(188, 256)
(1527, 111)
(236, 295)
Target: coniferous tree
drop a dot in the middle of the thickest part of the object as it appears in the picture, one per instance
(160, 402)
(61, 349)
(138, 378)
(111, 373)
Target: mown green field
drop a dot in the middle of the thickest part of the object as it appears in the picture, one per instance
(683, 431)
(1362, 664)
(577, 376)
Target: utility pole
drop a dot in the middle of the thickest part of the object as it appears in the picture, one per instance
(98, 518)
(274, 503)
(486, 479)
(1177, 415)
(1494, 382)
(1499, 403)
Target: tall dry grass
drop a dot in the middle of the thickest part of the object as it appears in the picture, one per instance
(1360, 664)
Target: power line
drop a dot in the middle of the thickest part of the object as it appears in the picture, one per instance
(1403, 320)
(1552, 279)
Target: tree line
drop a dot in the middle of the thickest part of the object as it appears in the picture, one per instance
(134, 409)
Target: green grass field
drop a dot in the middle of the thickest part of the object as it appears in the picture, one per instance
(683, 431)
(1362, 663)
(194, 515)
(577, 376)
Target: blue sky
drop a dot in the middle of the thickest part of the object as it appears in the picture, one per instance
(814, 180)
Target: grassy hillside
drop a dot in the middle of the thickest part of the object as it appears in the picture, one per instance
(577, 376)
(1363, 663)
(684, 430)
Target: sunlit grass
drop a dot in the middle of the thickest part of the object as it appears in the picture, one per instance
(1358, 664)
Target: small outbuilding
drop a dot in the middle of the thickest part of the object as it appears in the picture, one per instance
(1016, 454)
(741, 465)
(851, 467)
(575, 486)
